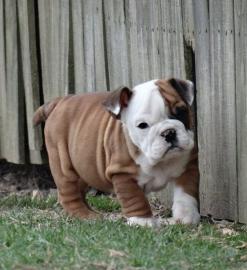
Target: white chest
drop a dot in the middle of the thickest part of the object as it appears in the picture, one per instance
(157, 177)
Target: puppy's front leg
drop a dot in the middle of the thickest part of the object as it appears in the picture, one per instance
(185, 207)
(134, 204)
(185, 204)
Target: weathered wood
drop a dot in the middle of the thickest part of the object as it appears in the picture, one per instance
(3, 117)
(116, 43)
(216, 108)
(189, 40)
(202, 55)
(89, 50)
(14, 102)
(78, 46)
(240, 15)
(172, 54)
(145, 44)
(133, 45)
(188, 22)
(54, 45)
(30, 76)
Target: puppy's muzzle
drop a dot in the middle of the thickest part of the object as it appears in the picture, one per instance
(170, 135)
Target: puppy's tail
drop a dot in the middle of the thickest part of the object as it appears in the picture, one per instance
(44, 111)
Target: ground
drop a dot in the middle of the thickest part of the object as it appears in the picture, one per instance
(24, 178)
(36, 234)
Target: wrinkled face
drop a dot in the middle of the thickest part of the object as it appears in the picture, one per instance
(157, 117)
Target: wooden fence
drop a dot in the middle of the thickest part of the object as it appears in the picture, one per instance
(55, 47)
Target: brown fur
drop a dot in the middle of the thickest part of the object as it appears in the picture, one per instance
(99, 158)
(189, 180)
(87, 147)
(174, 100)
(170, 95)
(44, 111)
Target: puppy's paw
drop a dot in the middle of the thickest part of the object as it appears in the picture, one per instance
(185, 213)
(185, 209)
(88, 214)
(143, 221)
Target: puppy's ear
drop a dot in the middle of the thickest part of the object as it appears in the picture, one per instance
(117, 101)
(185, 89)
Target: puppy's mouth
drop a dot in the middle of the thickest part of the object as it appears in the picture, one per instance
(173, 148)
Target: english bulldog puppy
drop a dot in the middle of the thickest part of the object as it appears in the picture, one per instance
(128, 141)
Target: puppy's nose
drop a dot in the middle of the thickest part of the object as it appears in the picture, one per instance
(170, 135)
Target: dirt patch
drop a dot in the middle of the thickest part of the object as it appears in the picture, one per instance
(17, 178)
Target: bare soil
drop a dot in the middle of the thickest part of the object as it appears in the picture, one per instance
(24, 178)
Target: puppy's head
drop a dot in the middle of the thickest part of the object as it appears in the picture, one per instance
(157, 116)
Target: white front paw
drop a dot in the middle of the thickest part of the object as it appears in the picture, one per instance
(185, 213)
(143, 221)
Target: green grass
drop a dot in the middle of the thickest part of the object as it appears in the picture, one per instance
(103, 203)
(35, 234)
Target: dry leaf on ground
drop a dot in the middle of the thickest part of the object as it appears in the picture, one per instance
(116, 253)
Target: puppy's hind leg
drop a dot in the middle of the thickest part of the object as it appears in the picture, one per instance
(69, 185)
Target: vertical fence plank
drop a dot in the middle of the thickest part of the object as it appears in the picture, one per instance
(177, 43)
(116, 42)
(216, 108)
(14, 100)
(154, 45)
(133, 45)
(240, 8)
(149, 17)
(99, 48)
(188, 22)
(136, 34)
(30, 75)
(94, 46)
(166, 52)
(54, 44)
(3, 118)
(88, 39)
(172, 54)
(189, 40)
(78, 46)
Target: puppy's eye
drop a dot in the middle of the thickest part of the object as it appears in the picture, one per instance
(181, 110)
(182, 114)
(143, 125)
